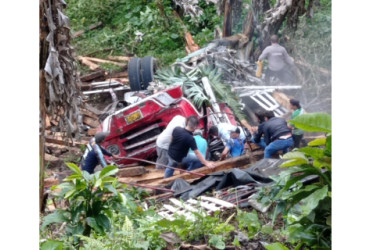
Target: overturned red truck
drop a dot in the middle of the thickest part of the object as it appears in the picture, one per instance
(133, 130)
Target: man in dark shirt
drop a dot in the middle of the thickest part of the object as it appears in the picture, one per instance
(94, 153)
(182, 141)
(277, 135)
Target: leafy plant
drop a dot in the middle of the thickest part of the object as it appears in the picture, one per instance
(249, 221)
(91, 198)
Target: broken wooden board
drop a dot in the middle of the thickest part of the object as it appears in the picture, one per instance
(152, 175)
(92, 76)
(131, 171)
(91, 27)
(238, 162)
(60, 141)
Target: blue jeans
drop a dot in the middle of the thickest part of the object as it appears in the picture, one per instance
(192, 162)
(262, 143)
(273, 147)
(168, 171)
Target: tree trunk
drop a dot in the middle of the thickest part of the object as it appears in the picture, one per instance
(227, 22)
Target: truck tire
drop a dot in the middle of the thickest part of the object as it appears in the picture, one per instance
(148, 67)
(134, 74)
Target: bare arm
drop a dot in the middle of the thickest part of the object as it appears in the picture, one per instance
(209, 164)
(224, 153)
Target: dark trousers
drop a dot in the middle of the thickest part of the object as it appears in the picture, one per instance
(297, 139)
(284, 75)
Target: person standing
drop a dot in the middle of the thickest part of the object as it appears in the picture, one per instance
(278, 58)
(297, 134)
(94, 153)
(277, 135)
(164, 139)
(182, 141)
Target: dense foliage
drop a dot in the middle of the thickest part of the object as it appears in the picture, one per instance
(137, 27)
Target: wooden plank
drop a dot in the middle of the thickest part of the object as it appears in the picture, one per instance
(60, 141)
(91, 122)
(89, 114)
(98, 60)
(85, 61)
(92, 76)
(243, 160)
(149, 177)
(131, 171)
(120, 58)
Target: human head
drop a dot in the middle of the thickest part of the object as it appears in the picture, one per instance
(295, 104)
(260, 114)
(235, 133)
(198, 132)
(100, 137)
(274, 39)
(269, 114)
(213, 131)
(192, 122)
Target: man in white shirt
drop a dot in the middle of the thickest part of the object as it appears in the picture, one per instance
(164, 139)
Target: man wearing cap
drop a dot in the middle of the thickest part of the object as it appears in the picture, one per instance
(94, 153)
(235, 145)
(191, 159)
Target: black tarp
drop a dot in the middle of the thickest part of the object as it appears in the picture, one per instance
(259, 173)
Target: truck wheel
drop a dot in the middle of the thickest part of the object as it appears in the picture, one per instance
(134, 74)
(148, 67)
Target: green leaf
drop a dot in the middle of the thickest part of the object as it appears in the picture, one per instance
(276, 246)
(74, 168)
(69, 193)
(267, 229)
(108, 170)
(313, 122)
(51, 245)
(72, 177)
(292, 163)
(309, 203)
(217, 242)
(57, 217)
(317, 142)
(93, 224)
(328, 145)
(110, 188)
(294, 155)
(98, 182)
(316, 153)
(88, 177)
(103, 221)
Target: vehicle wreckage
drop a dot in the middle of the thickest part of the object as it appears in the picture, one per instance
(191, 86)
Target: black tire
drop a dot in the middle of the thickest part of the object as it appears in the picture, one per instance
(148, 67)
(134, 74)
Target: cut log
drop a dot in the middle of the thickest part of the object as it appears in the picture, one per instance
(92, 76)
(89, 114)
(88, 63)
(132, 171)
(98, 60)
(119, 58)
(91, 27)
(238, 162)
(94, 123)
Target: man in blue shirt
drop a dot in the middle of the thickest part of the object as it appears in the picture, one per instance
(235, 145)
(191, 159)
